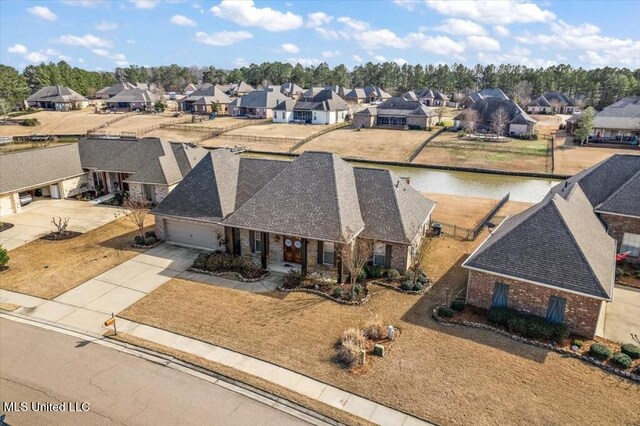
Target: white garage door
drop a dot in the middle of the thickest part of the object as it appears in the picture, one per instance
(191, 234)
(6, 207)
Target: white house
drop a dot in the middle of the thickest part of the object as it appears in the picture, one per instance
(327, 107)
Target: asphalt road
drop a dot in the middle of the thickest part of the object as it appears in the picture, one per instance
(38, 365)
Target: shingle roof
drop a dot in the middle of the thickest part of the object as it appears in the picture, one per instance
(625, 201)
(59, 94)
(133, 95)
(548, 98)
(115, 89)
(25, 169)
(624, 114)
(356, 93)
(259, 99)
(286, 105)
(149, 160)
(212, 94)
(376, 91)
(291, 88)
(241, 87)
(558, 242)
(325, 100)
(486, 107)
(399, 106)
(493, 93)
(428, 93)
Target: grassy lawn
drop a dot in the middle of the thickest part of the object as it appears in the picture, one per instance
(218, 122)
(571, 158)
(370, 144)
(507, 143)
(279, 130)
(446, 374)
(283, 145)
(49, 268)
(140, 122)
(59, 123)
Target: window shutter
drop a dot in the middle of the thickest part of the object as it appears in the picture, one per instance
(387, 256)
(252, 241)
(320, 259)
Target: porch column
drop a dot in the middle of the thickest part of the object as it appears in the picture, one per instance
(339, 264)
(228, 236)
(264, 252)
(304, 268)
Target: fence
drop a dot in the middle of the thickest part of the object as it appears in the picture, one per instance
(492, 148)
(423, 145)
(490, 215)
(107, 123)
(315, 135)
(248, 138)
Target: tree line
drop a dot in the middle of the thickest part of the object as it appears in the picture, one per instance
(597, 87)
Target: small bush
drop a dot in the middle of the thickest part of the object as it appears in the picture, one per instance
(348, 354)
(150, 234)
(353, 296)
(457, 305)
(357, 289)
(150, 240)
(201, 261)
(621, 360)
(139, 240)
(500, 315)
(338, 292)
(517, 325)
(362, 275)
(225, 262)
(406, 285)
(374, 329)
(600, 352)
(30, 122)
(392, 274)
(292, 279)
(353, 335)
(374, 271)
(636, 371)
(445, 312)
(630, 349)
(4, 256)
(577, 342)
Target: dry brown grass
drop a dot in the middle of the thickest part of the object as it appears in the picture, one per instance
(279, 130)
(174, 135)
(571, 158)
(370, 144)
(264, 385)
(49, 268)
(374, 328)
(283, 145)
(5, 306)
(506, 143)
(465, 212)
(59, 123)
(470, 376)
(219, 122)
(139, 122)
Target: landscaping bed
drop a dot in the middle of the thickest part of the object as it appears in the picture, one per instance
(325, 286)
(628, 274)
(221, 264)
(357, 348)
(57, 236)
(4, 226)
(149, 240)
(391, 278)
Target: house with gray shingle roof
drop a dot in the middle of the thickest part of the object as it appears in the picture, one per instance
(619, 121)
(518, 121)
(552, 103)
(205, 100)
(256, 104)
(326, 107)
(427, 97)
(132, 100)
(239, 89)
(111, 91)
(297, 212)
(488, 93)
(58, 98)
(397, 112)
(356, 95)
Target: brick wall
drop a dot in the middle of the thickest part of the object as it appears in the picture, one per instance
(618, 225)
(363, 120)
(135, 190)
(420, 121)
(73, 186)
(581, 313)
(162, 191)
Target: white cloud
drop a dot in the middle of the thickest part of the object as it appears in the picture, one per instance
(305, 62)
(119, 58)
(400, 61)
(501, 30)
(106, 26)
(407, 4)
(50, 52)
(240, 62)
(101, 52)
(290, 48)
(223, 38)
(357, 58)
(490, 11)
(377, 39)
(245, 13)
(42, 13)
(461, 27)
(80, 60)
(485, 43)
(65, 58)
(82, 3)
(330, 53)
(131, 41)
(144, 4)
(353, 24)
(516, 56)
(317, 19)
(36, 57)
(20, 49)
(327, 34)
(182, 21)
(87, 40)
(380, 58)
(440, 45)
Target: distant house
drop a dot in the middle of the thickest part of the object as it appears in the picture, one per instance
(340, 90)
(190, 88)
(489, 93)
(518, 121)
(205, 100)
(619, 121)
(324, 108)
(311, 92)
(132, 100)
(291, 90)
(111, 91)
(356, 96)
(552, 103)
(256, 104)
(427, 97)
(57, 98)
(397, 112)
(375, 93)
(239, 89)
(298, 212)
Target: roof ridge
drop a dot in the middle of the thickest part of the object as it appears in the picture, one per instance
(614, 193)
(396, 204)
(335, 184)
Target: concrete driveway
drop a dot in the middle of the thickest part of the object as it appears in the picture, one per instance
(34, 220)
(620, 319)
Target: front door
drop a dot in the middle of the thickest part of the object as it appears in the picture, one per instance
(292, 250)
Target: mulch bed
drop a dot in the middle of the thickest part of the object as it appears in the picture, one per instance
(230, 275)
(630, 280)
(4, 226)
(67, 235)
(371, 357)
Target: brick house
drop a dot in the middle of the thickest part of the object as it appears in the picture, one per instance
(132, 100)
(257, 104)
(396, 112)
(619, 122)
(205, 100)
(552, 103)
(487, 107)
(57, 98)
(294, 213)
(554, 260)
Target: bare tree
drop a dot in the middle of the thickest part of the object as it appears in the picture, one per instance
(138, 209)
(419, 255)
(555, 106)
(354, 257)
(499, 122)
(469, 119)
(521, 93)
(61, 225)
(440, 112)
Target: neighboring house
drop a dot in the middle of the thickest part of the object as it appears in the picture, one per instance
(552, 103)
(324, 108)
(375, 94)
(340, 90)
(493, 93)
(397, 112)
(205, 100)
(58, 98)
(518, 120)
(239, 89)
(427, 97)
(619, 121)
(132, 100)
(310, 93)
(256, 104)
(54, 172)
(298, 212)
(554, 260)
(291, 90)
(572, 123)
(190, 88)
(111, 91)
(356, 96)
(148, 168)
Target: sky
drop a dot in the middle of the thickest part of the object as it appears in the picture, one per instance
(104, 34)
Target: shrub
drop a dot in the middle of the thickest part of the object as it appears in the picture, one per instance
(357, 289)
(637, 370)
(392, 274)
(418, 286)
(534, 327)
(374, 329)
(150, 240)
(517, 324)
(353, 295)
(457, 305)
(225, 262)
(374, 271)
(600, 352)
(348, 354)
(201, 261)
(30, 122)
(139, 240)
(4, 256)
(630, 349)
(338, 292)
(500, 315)
(362, 275)
(406, 285)
(150, 234)
(445, 312)
(353, 335)
(292, 279)
(621, 360)
(577, 342)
